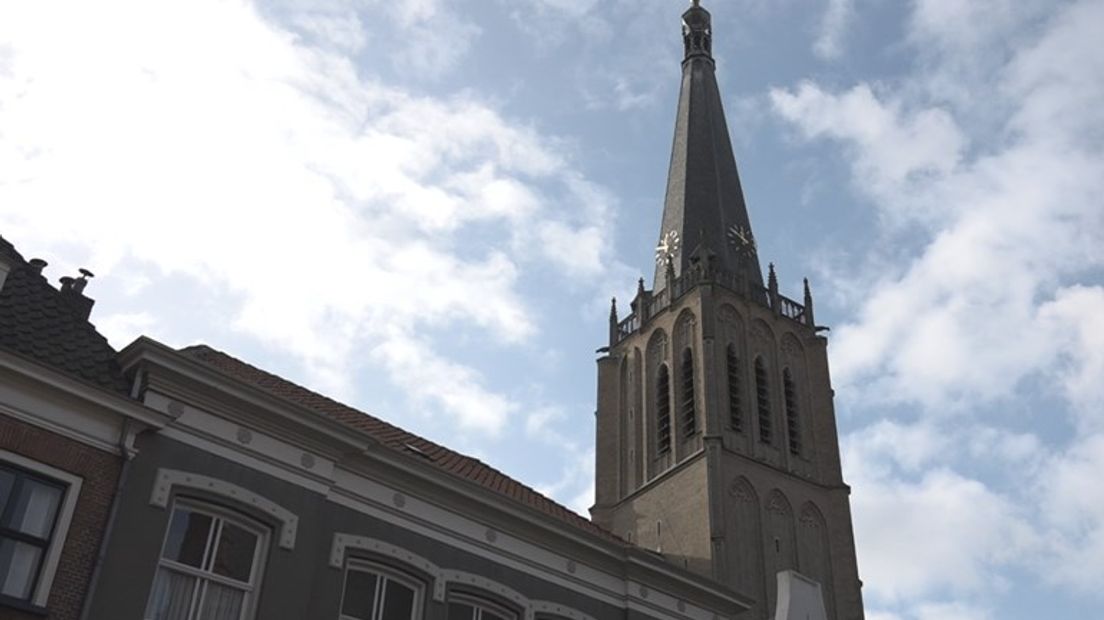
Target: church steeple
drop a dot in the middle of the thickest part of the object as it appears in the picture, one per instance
(716, 439)
(704, 214)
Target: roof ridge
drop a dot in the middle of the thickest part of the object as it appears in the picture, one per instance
(451, 461)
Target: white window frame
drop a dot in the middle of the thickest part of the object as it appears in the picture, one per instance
(51, 558)
(482, 604)
(249, 607)
(387, 573)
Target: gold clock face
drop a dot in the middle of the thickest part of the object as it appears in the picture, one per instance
(668, 247)
(741, 237)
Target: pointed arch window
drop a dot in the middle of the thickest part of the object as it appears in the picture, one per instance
(663, 411)
(762, 400)
(689, 417)
(735, 411)
(793, 428)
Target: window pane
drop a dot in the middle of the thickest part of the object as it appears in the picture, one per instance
(236, 550)
(460, 611)
(222, 603)
(35, 508)
(187, 538)
(487, 615)
(398, 604)
(172, 596)
(360, 593)
(18, 568)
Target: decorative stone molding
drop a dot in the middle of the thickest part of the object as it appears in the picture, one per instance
(741, 490)
(342, 543)
(684, 325)
(556, 609)
(479, 582)
(762, 331)
(657, 346)
(778, 504)
(167, 479)
(811, 516)
(791, 347)
(731, 318)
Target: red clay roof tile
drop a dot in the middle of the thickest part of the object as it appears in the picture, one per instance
(393, 437)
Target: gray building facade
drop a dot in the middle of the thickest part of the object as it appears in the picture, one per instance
(261, 499)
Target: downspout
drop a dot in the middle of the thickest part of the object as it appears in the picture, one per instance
(128, 453)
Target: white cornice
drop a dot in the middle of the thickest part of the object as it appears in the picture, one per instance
(51, 400)
(89, 393)
(146, 352)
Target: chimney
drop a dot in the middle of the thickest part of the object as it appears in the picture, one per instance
(72, 291)
(36, 265)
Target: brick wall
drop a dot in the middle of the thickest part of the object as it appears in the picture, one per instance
(100, 471)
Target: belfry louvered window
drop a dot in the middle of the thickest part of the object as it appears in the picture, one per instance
(735, 411)
(793, 430)
(686, 396)
(663, 411)
(762, 400)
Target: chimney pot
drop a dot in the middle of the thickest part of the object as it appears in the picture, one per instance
(37, 265)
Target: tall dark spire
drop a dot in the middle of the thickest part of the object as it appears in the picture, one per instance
(704, 214)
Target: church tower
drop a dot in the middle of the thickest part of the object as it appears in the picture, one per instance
(716, 434)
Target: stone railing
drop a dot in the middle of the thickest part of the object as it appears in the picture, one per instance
(650, 304)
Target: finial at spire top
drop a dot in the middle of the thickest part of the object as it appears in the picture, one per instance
(697, 31)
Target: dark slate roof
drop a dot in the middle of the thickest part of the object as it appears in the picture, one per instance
(704, 199)
(395, 438)
(36, 323)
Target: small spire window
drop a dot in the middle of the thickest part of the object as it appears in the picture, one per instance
(689, 417)
(793, 429)
(663, 411)
(762, 399)
(735, 411)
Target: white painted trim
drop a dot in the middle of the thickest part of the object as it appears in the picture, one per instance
(466, 535)
(339, 557)
(372, 498)
(352, 485)
(556, 609)
(343, 542)
(482, 584)
(95, 395)
(77, 429)
(167, 479)
(68, 505)
(268, 466)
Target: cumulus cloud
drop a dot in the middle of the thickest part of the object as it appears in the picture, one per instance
(952, 529)
(997, 225)
(319, 210)
(833, 27)
(983, 167)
